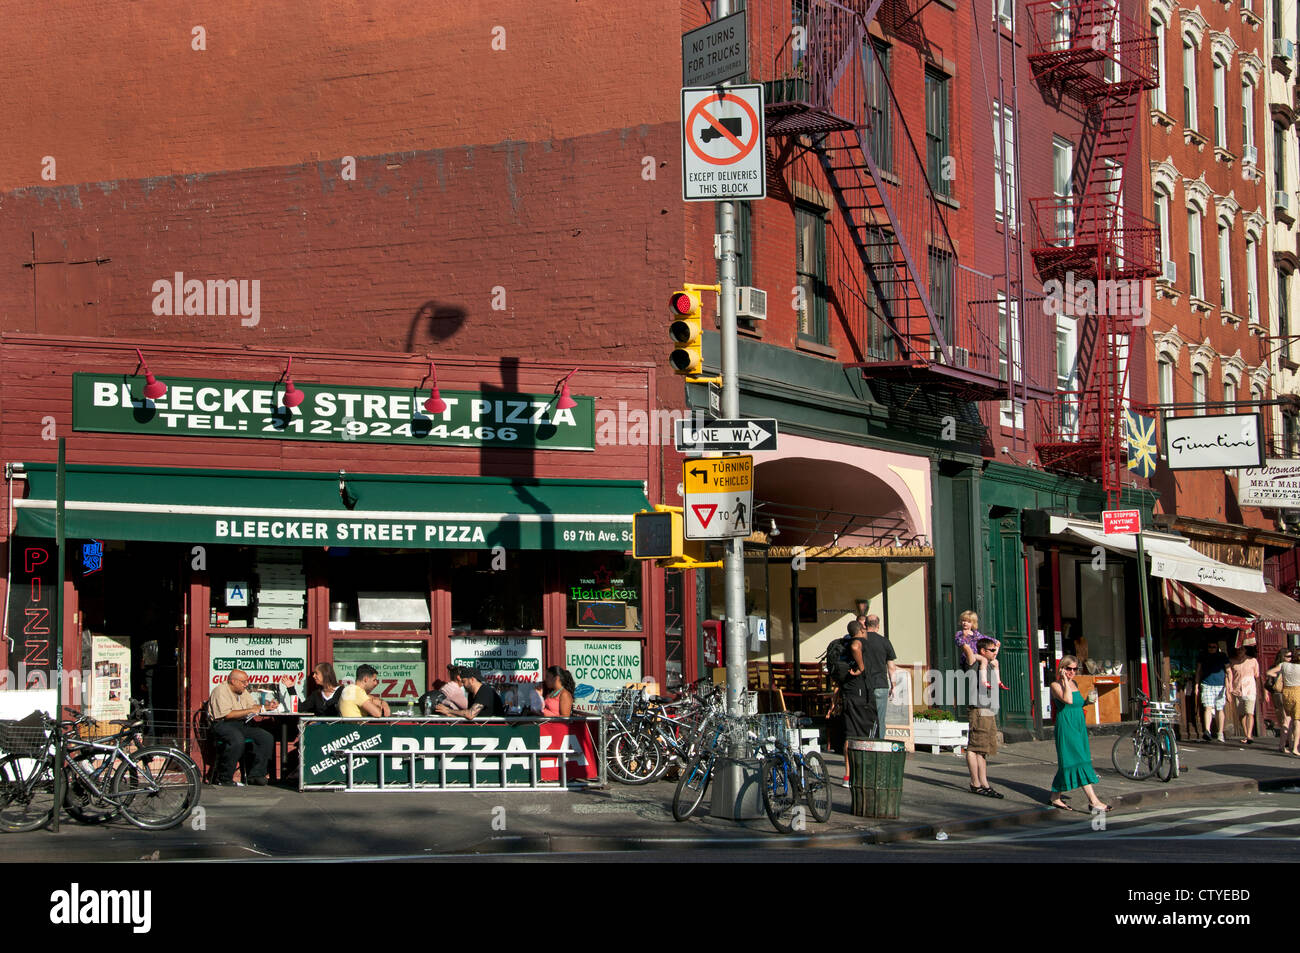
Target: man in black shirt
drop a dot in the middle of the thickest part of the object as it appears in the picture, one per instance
(483, 699)
(859, 714)
(878, 655)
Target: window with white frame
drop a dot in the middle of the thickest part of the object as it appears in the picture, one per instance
(1194, 285)
(1063, 187)
(1252, 278)
(1162, 223)
(1247, 116)
(1005, 11)
(1165, 380)
(1061, 30)
(1110, 65)
(1158, 32)
(1067, 347)
(1004, 163)
(1009, 358)
(1200, 378)
(1229, 395)
(1189, 82)
(1220, 102)
(1225, 268)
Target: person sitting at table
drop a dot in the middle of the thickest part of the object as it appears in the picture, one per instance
(355, 701)
(483, 699)
(230, 707)
(559, 693)
(325, 700)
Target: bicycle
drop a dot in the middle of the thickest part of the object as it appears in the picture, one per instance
(1151, 747)
(790, 777)
(648, 740)
(155, 787)
(693, 781)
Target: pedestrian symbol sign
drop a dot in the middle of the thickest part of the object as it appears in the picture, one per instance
(719, 497)
(723, 156)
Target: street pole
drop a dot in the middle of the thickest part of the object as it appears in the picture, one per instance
(60, 532)
(1153, 680)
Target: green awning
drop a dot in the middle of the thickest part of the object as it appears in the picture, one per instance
(274, 508)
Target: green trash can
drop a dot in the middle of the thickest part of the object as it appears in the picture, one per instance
(875, 776)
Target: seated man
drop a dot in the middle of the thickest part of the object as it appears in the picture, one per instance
(229, 708)
(355, 701)
(483, 699)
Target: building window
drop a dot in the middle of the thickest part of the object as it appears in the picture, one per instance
(1004, 163)
(1194, 253)
(936, 131)
(1063, 187)
(1009, 358)
(1247, 116)
(879, 130)
(1220, 102)
(1066, 380)
(1162, 223)
(1199, 379)
(1189, 83)
(1284, 314)
(880, 341)
(1279, 157)
(1252, 279)
(941, 292)
(1165, 381)
(744, 243)
(487, 600)
(1289, 431)
(1061, 31)
(1225, 268)
(1229, 396)
(1158, 94)
(1005, 10)
(810, 257)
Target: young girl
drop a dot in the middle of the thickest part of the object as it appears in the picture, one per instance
(968, 638)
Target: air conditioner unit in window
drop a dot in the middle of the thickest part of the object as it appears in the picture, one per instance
(1284, 48)
(751, 303)
(1282, 202)
(960, 356)
(1249, 155)
(1170, 272)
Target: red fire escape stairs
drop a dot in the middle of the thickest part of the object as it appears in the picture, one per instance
(1090, 52)
(897, 224)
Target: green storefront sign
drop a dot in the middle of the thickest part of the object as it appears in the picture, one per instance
(200, 407)
(322, 765)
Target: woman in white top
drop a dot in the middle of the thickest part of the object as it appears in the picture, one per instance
(1288, 681)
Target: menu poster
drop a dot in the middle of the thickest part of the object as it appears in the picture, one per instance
(110, 669)
(505, 659)
(266, 659)
(601, 667)
(898, 712)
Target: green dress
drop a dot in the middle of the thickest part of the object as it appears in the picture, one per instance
(1073, 756)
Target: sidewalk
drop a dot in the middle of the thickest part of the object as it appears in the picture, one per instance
(275, 822)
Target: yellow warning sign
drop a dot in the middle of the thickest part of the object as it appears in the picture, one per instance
(718, 475)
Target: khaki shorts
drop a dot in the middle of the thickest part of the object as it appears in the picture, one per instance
(1245, 704)
(983, 734)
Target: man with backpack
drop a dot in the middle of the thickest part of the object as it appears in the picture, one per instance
(844, 661)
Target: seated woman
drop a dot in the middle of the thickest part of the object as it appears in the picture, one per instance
(325, 700)
(558, 702)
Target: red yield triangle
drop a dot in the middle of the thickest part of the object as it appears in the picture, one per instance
(704, 512)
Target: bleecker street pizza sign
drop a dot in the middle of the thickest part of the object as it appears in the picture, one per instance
(723, 156)
(718, 495)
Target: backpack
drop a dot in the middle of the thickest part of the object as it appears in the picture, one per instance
(838, 660)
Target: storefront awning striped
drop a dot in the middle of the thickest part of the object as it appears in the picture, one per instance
(277, 508)
(1187, 610)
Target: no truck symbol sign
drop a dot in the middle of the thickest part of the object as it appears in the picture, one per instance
(723, 156)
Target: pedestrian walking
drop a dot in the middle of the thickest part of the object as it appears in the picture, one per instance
(1287, 674)
(1243, 681)
(982, 742)
(1211, 682)
(1073, 755)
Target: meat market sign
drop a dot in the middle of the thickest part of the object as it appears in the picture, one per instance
(197, 407)
(1276, 485)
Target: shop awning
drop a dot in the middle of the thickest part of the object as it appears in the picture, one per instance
(275, 508)
(1172, 557)
(1276, 615)
(1186, 610)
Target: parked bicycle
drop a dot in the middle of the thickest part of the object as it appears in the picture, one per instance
(1151, 747)
(791, 778)
(155, 787)
(719, 732)
(651, 734)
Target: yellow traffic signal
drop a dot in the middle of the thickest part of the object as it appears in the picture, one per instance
(685, 333)
(658, 535)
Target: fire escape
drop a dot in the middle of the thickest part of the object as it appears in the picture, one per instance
(915, 313)
(1090, 53)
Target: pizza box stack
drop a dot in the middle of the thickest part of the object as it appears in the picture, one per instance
(282, 590)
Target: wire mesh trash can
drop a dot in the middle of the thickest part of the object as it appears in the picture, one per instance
(875, 776)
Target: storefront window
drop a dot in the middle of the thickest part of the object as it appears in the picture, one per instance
(257, 587)
(378, 589)
(499, 592)
(399, 662)
(603, 591)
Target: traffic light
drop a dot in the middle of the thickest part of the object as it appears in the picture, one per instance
(658, 535)
(685, 333)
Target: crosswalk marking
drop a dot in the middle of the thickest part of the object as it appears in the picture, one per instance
(1163, 825)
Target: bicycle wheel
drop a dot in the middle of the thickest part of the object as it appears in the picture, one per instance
(692, 784)
(1168, 749)
(1136, 754)
(637, 756)
(27, 795)
(157, 787)
(82, 804)
(779, 792)
(817, 787)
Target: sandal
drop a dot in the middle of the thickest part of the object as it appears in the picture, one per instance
(989, 792)
(1061, 806)
(1099, 808)
(975, 790)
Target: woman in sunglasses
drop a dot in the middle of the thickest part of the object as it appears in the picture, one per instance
(1073, 755)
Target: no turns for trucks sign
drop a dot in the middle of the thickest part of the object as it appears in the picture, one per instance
(723, 156)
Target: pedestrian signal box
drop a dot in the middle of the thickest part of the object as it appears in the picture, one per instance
(657, 535)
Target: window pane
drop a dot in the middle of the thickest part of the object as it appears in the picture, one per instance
(602, 591)
(508, 599)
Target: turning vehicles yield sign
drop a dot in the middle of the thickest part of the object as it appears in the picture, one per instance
(718, 493)
(723, 156)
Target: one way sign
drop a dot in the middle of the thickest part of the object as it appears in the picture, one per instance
(758, 433)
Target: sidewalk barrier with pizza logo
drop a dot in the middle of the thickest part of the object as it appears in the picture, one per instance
(446, 754)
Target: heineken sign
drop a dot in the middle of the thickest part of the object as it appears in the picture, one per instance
(200, 407)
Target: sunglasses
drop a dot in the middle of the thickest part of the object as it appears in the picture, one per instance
(1071, 668)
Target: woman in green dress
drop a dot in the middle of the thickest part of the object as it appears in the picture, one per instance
(1073, 756)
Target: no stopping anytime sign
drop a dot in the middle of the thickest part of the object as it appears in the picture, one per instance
(723, 156)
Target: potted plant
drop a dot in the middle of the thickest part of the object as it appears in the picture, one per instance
(938, 728)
